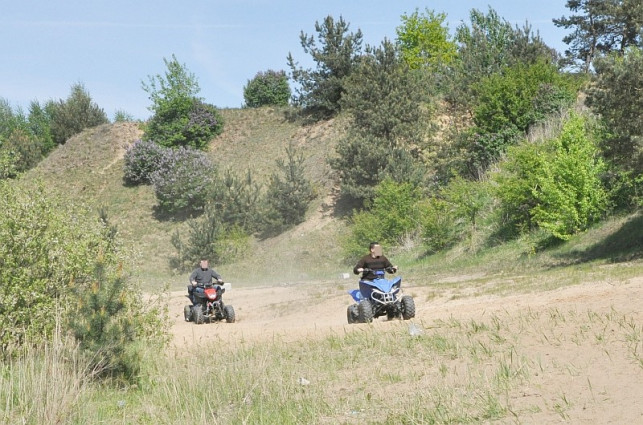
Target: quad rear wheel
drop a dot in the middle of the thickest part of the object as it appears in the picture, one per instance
(187, 313)
(352, 314)
(228, 312)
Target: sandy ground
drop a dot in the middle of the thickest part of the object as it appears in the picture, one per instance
(606, 386)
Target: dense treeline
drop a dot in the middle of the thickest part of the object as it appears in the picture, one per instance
(492, 164)
(474, 136)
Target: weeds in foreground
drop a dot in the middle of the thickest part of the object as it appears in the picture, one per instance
(455, 371)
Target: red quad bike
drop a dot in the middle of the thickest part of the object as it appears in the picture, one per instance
(208, 306)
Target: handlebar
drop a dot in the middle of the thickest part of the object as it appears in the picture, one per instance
(390, 270)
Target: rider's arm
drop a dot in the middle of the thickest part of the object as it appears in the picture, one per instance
(359, 267)
(193, 277)
(388, 265)
(216, 276)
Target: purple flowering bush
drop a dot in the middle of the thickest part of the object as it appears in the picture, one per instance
(183, 180)
(141, 160)
(204, 122)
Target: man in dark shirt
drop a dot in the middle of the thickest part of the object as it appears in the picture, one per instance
(202, 276)
(374, 260)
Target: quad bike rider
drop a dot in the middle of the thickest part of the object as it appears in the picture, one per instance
(378, 296)
(206, 297)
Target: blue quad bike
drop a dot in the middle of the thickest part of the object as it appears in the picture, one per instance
(380, 297)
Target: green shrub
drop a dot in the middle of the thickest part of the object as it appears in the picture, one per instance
(123, 116)
(393, 215)
(180, 117)
(267, 88)
(209, 236)
(290, 193)
(239, 201)
(554, 184)
(73, 115)
(438, 224)
(569, 192)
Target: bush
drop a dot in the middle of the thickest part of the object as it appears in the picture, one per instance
(438, 224)
(290, 194)
(180, 117)
(73, 115)
(204, 123)
(393, 215)
(141, 159)
(267, 88)
(569, 191)
(60, 266)
(554, 184)
(48, 246)
(183, 180)
(209, 236)
(239, 201)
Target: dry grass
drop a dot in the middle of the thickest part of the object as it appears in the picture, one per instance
(89, 167)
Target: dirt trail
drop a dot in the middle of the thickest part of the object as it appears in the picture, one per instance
(604, 383)
(308, 309)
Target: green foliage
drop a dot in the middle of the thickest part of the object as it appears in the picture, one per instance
(554, 185)
(267, 88)
(50, 251)
(238, 201)
(600, 27)
(509, 99)
(320, 90)
(39, 123)
(393, 215)
(467, 198)
(73, 115)
(123, 116)
(107, 334)
(509, 103)
(438, 224)
(569, 191)
(180, 117)
(616, 97)
(209, 236)
(389, 106)
(486, 46)
(290, 193)
(425, 42)
(23, 140)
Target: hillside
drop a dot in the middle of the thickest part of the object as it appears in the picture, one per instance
(89, 167)
(509, 333)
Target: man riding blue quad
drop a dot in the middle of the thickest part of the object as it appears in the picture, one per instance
(374, 260)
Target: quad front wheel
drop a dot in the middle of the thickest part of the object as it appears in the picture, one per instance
(365, 311)
(197, 315)
(408, 307)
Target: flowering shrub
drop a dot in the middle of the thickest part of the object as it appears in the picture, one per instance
(203, 123)
(141, 160)
(184, 122)
(182, 180)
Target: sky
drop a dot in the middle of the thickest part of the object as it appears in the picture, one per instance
(112, 47)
